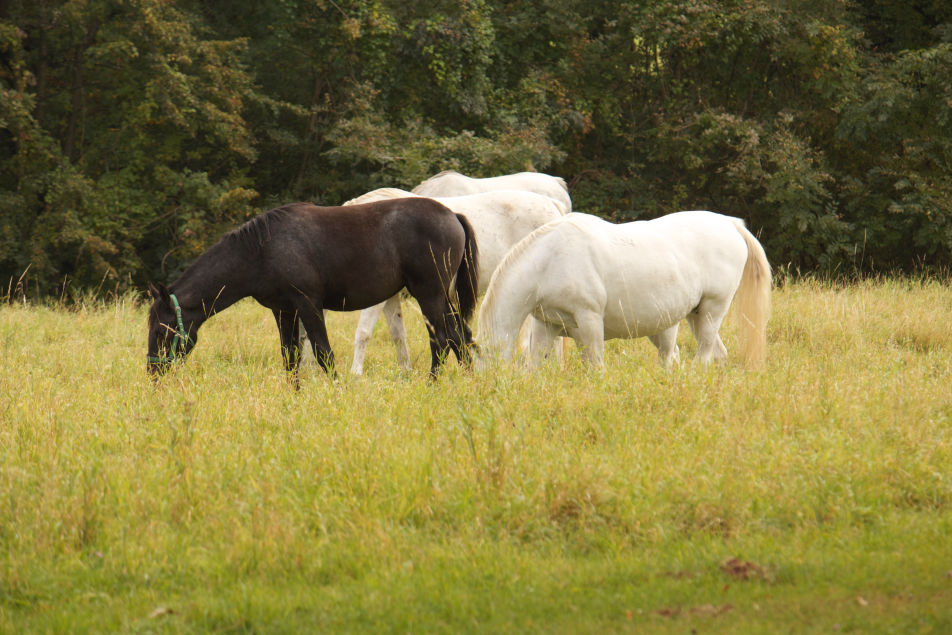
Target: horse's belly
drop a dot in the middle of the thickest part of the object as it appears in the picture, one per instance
(628, 319)
(357, 301)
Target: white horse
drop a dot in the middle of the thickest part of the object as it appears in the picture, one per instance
(450, 183)
(592, 280)
(500, 219)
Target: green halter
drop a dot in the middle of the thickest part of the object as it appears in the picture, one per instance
(180, 335)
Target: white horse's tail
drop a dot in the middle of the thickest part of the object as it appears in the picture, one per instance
(753, 300)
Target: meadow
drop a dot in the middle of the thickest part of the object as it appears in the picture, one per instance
(814, 495)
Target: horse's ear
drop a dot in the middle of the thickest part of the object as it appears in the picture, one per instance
(159, 293)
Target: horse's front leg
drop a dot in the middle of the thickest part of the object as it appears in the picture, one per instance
(398, 332)
(289, 332)
(589, 332)
(365, 328)
(537, 340)
(313, 320)
(667, 344)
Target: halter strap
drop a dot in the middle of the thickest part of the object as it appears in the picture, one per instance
(180, 335)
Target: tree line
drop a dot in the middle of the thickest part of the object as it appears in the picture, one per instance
(134, 132)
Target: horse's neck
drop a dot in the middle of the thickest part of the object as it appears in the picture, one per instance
(504, 309)
(218, 279)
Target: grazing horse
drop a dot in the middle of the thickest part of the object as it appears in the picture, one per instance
(300, 259)
(500, 219)
(592, 280)
(450, 183)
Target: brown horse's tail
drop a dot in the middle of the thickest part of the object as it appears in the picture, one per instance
(467, 277)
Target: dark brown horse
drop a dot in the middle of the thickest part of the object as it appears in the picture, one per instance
(300, 259)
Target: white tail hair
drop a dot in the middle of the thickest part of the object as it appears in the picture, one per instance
(753, 300)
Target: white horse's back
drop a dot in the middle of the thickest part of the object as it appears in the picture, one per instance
(450, 183)
(593, 280)
(500, 219)
(381, 194)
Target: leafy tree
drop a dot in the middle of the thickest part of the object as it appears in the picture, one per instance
(896, 147)
(126, 146)
(132, 132)
(895, 26)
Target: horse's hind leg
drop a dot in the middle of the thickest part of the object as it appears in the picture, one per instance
(705, 323)
(444, 330)
(667, 344)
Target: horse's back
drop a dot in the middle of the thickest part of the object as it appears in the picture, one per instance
(508, 214)
(363, 223)
(359, 255)
(451, 183)
(447, 183)
(407, 223)
(706, 243)
(380, 194)
(689, 240)
(545, 184)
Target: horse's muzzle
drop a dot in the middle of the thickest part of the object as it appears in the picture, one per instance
(156, 367)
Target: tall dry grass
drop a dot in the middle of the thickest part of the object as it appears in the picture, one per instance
(563, 499)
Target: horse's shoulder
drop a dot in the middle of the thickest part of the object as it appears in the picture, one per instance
(585, 223)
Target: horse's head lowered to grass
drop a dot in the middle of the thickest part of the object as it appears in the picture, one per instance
(171, 335)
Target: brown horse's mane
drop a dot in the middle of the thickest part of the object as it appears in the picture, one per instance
(257, 231)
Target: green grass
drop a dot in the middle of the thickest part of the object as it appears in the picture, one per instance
(561, 500)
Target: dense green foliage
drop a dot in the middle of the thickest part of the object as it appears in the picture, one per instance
(132, 132)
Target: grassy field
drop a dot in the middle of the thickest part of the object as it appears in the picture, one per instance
(813, 496)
